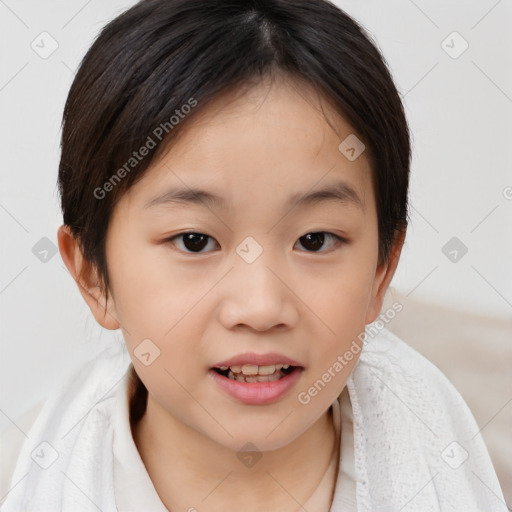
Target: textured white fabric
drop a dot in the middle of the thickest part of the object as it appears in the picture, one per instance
(416, 444)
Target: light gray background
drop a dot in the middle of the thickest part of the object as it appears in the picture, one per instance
(459, 109)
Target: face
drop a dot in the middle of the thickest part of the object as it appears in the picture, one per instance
(252, 267)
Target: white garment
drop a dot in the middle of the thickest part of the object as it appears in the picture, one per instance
(416, 446)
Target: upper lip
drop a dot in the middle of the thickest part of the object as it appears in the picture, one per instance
(257, 359)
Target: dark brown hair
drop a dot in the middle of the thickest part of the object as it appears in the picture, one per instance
(152, 68)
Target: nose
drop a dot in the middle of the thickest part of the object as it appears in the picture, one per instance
(258, 296)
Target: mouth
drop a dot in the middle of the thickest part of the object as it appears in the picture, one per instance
(256, 385)
(254, 374)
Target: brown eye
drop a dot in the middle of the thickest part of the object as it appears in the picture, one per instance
(192, 242)
(313, 242)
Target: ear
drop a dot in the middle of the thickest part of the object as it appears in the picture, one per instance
(383, 276)
(87, 280)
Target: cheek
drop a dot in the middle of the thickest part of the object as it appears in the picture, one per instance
(340, 297)
(151, 293)
(339, 303)
(176, 358)
(156, 300)
(343, 313)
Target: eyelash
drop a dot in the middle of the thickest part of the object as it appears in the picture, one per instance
(339, 239)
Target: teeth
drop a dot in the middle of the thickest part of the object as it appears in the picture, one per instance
(258, 378)
(249, 372)
(251, 369)
(267, 370)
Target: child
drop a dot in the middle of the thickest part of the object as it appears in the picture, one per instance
(270, 133)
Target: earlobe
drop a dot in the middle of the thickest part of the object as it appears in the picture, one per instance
(384, 273)
(87, 279)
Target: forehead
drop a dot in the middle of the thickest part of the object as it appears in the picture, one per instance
(272, 139)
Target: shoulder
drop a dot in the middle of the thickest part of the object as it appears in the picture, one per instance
(87, 394)
(408, 417)
(429, 405)
(12, 438)
(390, 360)
(415, 385)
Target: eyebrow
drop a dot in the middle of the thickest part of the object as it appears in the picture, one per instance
(340, 192)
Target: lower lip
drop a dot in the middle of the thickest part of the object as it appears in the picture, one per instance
(257, 393)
